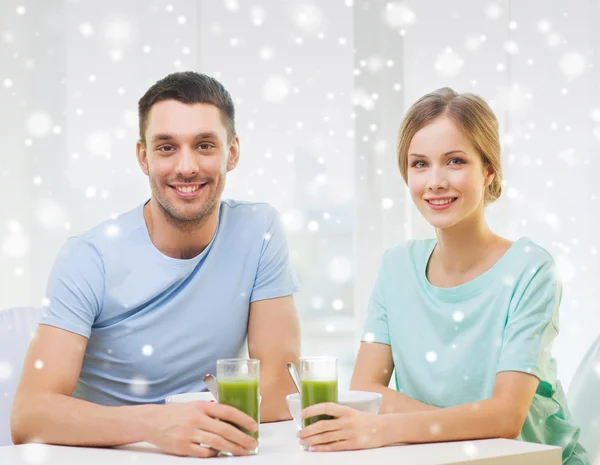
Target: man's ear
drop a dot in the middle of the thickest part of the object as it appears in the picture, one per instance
(233, 156)
(142, 156)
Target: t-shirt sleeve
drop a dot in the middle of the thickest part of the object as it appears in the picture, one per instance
(75, 288)
(533, 324)
(376, 326)
(274, 276)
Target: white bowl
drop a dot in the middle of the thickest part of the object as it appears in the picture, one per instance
(195, 396)
(190, 397)
(362, 401)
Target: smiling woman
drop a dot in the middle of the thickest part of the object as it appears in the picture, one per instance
(486, 371)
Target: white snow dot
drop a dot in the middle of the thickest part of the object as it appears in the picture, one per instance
(448, 64)
(45, 302)
(112, 230)
(86, 29)
(470, 449)
(90, 192)
(116, 54)
(34, 453)
(267, 236)
(493, 11)
(508, 280)
(147, 350)
(340, 269)
(511, 47)
(512, 193)
(308, 17)
(512, 25)
(39, 124)
(329, 328)
(435, 428)
(6, 370)
(338, 304)
(138, 386)
(232, 5)
(182, 20)
(573, 64)
(595, 114)
(276, 89)
(265, 53)
(431, 356)
(99, 142)
(37, 180)
(317, 302)
(146, 49)
(257, 15)
(8, 83)
(369, 337)
(169, 8)
(313, 226)
(458, 316)
(38, 364)
(21, 10)
(118, 31)
(399, 15)
(49, 214)
(544, 25)
(597, 369)
(387, 203)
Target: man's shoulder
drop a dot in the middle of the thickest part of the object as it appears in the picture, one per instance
(113, 230)
(251, 213)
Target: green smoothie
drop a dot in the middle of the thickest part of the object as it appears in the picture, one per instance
(243, 395)
(316, 392)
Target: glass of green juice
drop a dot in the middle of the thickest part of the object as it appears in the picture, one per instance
(319, 382)
(239, 382)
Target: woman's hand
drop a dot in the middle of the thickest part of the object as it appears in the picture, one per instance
(349, 430)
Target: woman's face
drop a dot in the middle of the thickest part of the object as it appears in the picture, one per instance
(446, 176)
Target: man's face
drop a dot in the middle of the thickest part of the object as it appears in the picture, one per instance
(186, 157)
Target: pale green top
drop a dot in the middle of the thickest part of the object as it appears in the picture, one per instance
(448, 344)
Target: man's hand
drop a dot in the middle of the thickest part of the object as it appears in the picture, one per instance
(201, 429)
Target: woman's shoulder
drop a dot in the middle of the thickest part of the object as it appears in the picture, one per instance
(530, 253)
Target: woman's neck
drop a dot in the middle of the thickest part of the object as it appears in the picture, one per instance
(464, 246)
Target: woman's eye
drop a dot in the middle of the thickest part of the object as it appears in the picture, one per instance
(418, 164)
(456, 161)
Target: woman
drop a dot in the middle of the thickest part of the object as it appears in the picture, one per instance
(467, 320)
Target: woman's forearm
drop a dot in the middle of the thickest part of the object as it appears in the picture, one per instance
(489, 418)
(394, 401)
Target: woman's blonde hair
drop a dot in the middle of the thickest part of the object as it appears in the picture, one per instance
(471, 114)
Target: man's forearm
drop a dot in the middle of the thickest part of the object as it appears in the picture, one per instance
(274, 388)
(394, 401)
(60, 419)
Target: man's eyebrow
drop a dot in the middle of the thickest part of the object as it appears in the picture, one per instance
(161, 137)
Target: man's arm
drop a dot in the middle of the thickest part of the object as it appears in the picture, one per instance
(44, 411)
(372, 372)
(274, 339)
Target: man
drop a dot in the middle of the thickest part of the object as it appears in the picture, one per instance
(141, 307)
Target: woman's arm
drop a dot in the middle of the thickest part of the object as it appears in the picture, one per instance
(372, 372)
(501, 416)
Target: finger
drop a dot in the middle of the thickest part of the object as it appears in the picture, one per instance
(333, 446)
(217, 443)
(326, 438)
(228, 432)
(320, 427)
(325, 408)
(232, 415)
(196, 450)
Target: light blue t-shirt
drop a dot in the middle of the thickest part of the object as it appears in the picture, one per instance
(155, 325)
(448, 344)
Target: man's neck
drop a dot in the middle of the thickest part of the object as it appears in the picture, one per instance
(179, 240)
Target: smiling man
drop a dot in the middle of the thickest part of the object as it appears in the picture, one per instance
(142, 306)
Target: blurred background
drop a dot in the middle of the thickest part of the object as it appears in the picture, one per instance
(320, 89)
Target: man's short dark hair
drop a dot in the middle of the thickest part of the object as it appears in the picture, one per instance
(188, 87)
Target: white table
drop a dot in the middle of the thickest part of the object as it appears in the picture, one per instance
(279, 446)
